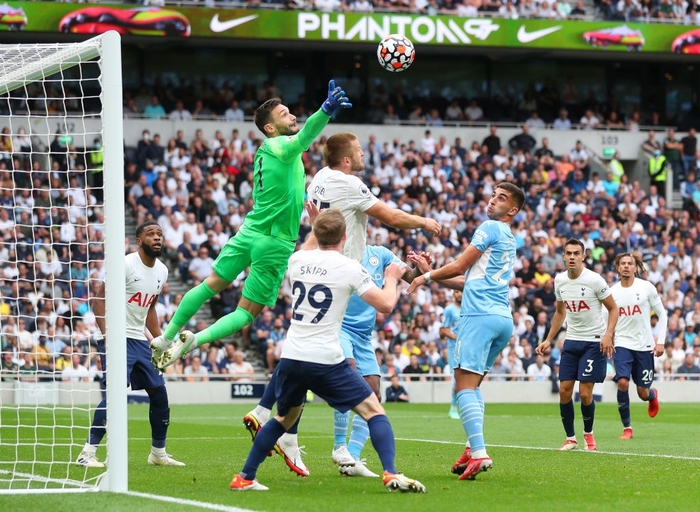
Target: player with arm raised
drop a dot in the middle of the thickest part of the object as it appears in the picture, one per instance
(635, 346)
(145, 277)
(581, 296)
(486, 322)
(323, 281)
(337, 186)
(268, 235)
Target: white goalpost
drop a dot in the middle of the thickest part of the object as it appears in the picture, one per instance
(61, 235)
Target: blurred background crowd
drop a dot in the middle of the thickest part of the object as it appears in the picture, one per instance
(199, 191)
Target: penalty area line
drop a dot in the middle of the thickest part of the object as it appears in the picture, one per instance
(191, 503)
(552, 449)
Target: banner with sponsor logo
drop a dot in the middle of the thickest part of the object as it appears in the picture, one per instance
(177, 22)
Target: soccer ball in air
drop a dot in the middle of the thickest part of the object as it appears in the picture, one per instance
(396, 53)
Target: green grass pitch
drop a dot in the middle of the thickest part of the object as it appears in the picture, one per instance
(657, 470)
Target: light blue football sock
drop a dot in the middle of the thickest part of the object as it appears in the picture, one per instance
(472, 418)
(340, 428)
(358, 436)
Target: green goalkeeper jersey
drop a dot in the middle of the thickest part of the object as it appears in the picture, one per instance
(280, 183)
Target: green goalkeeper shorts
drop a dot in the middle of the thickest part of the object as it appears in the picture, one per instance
(267, 257)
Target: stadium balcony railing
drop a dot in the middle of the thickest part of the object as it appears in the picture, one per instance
(445, 123)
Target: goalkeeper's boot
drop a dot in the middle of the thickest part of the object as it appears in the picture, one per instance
(357, 469)
(155, 459)
(399, 482)
(186, 342)
(461, 464)
(89, 460)
(252, 423)
(241, 484)
(291, 451)
(474, 467)
(159, 345)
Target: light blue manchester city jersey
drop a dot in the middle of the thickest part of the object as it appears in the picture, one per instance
(360, 316)
(486, 284)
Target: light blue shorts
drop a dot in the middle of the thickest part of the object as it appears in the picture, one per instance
(479, 341)
(360, 349)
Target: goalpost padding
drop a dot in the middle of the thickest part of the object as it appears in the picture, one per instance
(77, 88)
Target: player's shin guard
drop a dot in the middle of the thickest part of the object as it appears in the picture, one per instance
(264, 442)
(382, 436)
(193, 300)
(159, 416)
(623, 405)
(567, 418)
(340, 427)
(358, 436)
(98, 429)
(225, 326)
(588, 413)
(472, 418)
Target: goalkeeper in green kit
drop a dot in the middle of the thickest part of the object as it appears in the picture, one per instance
(268, 235)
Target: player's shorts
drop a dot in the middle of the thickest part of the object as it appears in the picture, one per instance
(582, 361)
(479, 341)
(360, 349)
(267, 256)
(338, 384)
(140, 372)
(639, 365)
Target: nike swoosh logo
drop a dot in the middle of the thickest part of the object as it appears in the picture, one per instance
(528, 37)
(221, 26)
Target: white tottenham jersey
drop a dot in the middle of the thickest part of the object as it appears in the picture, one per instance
(635, 305)
(582, 299)
(322, 283)
(335, 189)
(143, 285)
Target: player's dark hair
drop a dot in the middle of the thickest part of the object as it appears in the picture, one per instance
(575, 241)
(329, 227)
(337, 147)
(263, 114)
(516, 193)
(140, 229)
(638, 263)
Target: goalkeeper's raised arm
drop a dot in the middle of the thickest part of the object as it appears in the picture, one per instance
(268, 235)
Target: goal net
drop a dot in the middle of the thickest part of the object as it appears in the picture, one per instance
(60, 152)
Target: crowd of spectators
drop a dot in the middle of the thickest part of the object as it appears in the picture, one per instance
(200, 190)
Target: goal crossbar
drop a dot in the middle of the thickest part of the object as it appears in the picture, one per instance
(15, 72)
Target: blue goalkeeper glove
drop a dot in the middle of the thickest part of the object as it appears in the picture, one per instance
(336, 100)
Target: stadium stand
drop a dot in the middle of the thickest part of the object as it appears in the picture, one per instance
(201, 186)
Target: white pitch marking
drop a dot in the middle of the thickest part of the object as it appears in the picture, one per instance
(547, 448)
(192, 503)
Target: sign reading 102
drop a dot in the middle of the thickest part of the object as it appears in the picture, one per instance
(247, 390)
